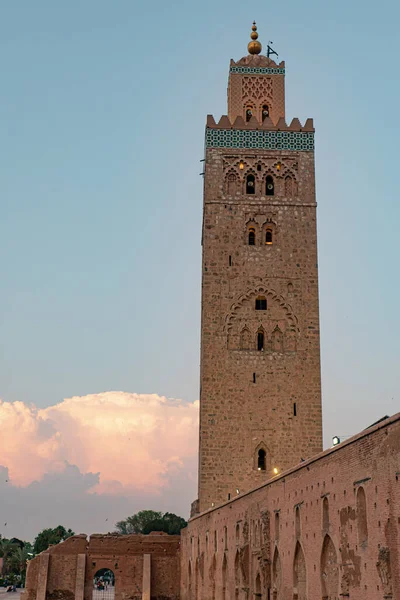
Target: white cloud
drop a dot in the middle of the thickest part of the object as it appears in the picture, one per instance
(133, 450)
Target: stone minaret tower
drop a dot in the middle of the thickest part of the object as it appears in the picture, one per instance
(260, 397)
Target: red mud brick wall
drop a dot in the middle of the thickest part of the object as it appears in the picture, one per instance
(328, 528)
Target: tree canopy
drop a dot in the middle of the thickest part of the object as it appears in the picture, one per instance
(50, 536)
(146, 521)
(15, 554)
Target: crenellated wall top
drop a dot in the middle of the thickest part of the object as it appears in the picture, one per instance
(265, 135)
(253, 123)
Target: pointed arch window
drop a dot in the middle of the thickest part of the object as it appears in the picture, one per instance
(249, 113)
(245, 339)
(250, 184)
(252, 236)
(264, 112)
(268, 236)
(277, 340)
(260, 340)
(261, 460)
(269, 186)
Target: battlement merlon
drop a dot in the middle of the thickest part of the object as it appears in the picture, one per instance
(265, 135)
(253, 123)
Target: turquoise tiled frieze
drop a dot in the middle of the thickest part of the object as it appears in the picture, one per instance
(270, 140)
(258, 70)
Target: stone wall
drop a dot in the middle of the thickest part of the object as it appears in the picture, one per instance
(328, 528)
(66, 571)
(251, 399)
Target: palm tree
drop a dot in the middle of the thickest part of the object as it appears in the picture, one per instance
(19, 559)
(7, 548)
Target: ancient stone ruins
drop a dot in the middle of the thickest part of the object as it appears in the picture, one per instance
(276, 518)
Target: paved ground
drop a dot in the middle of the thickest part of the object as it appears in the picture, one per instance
(97, 595)
(9, 596)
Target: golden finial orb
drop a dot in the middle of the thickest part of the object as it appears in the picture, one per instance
(254, 47)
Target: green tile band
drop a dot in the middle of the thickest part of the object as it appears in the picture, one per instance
(257, 70)
(271, 140)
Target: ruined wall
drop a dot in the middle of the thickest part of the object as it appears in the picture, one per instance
(328, 528)
(66, 571)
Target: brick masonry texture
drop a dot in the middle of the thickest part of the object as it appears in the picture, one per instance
(250, 399)
(328, 528)
(59, 575)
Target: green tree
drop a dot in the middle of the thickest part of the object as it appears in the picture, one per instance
(175, 523)
(18, 562)
(147, 521)
(137, 522)
(169, 523)
(48, 537)
(6, 550)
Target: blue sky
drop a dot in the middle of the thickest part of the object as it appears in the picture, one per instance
(102, 122)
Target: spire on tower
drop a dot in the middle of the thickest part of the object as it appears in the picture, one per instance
(254, 47)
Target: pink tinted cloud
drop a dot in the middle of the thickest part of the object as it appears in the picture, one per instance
(135, 441)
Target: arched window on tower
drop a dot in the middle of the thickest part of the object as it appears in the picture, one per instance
(261, 303)
(249, 113)
(245, 339)
(261, 460)
(265, 112)
(268, 236)
(289, 186)
(277, 340)
(231, 184)
(250, 184)
(269, 186)
(252, 236)
(260, 340)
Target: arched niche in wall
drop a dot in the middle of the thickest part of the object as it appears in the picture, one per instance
(276, 576)
(299, 574)
(325, 514)
(224, 595)
(362, 520)
(329, 570)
